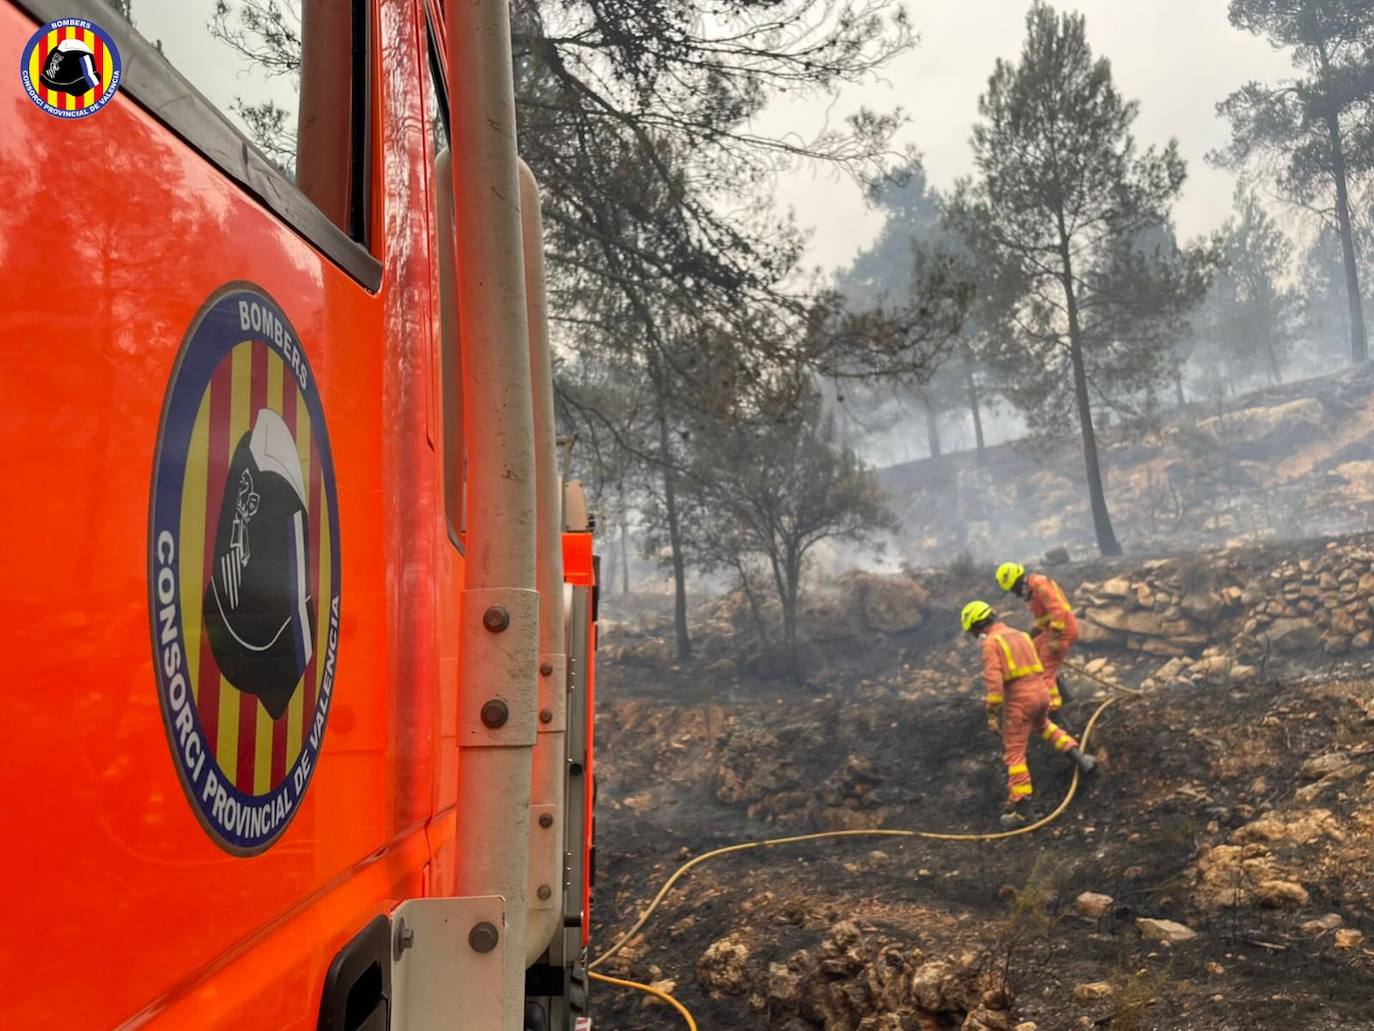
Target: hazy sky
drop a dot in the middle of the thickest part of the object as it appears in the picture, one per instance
(1177, 57)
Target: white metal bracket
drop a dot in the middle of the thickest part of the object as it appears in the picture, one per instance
(440, 975)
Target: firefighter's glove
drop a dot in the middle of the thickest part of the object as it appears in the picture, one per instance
(1055, 649)
(994, 720)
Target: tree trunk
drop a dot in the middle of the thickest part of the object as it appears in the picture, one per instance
(1179, 395)
(932, 430)
(1102, 521)
(977, 414)
(1359, 346)
(755, 609)
(624, 547)
(1275, 372)
(789, 617)
(684, 640)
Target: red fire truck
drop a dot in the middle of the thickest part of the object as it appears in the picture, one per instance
(300, 613)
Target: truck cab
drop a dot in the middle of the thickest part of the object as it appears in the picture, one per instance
(297, 714)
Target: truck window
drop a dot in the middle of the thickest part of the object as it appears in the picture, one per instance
(290, 75)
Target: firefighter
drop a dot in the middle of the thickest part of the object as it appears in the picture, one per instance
(1056, 627)
(1018, 701)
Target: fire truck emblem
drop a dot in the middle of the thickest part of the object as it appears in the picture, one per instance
(244, 569)
(258, 609)
(70, 68)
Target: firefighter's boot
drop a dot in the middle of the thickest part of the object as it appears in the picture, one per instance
(1086, 763)
(1015, 816)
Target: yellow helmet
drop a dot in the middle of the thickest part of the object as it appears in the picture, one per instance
(976, 613)
(1008, 573)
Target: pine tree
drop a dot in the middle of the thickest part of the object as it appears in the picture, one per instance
(1072, 222)
(1251, 315)
(1314, 129)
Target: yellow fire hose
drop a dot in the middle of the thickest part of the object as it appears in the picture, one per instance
(745, 846)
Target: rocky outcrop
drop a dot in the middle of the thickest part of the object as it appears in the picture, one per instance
(1249, 871)
(855, 981)
(724, 967)
(891, 604)
(1217, 621)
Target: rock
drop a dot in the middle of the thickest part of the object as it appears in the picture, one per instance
(1281, 894)
(1349, 938)
(1291, 636)
(1362, 641)
(1144, 596)
(1300, 828)
(1343, 623)
(1322, 924)
(784, 986)
(667, 986)
(1117, 587)
(1057, 557)
(1325, 765)
(1092, 992)
(1201, 607)
(1335, 644)
(1147, 624)
(722, 967)
(1028, 1025)
(1223, 669)
(891, 604)
(1090, 633)
(844, 935)
(1167, 932)
(984, 1019)
(1092, 905)
(936, 986)
(1170, 670)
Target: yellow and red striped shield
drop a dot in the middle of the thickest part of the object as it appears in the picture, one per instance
(70, 68)
(245, 764)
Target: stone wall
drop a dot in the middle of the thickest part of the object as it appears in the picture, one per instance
(1222, 617)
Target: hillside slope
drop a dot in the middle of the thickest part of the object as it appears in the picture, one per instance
(1236, 801)
(1281, 464)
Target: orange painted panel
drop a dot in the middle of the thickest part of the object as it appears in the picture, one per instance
(114, 234)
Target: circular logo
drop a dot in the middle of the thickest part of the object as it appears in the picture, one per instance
(70, 68)
(243, 568)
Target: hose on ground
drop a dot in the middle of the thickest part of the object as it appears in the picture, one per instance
(796, 839)
(649, 989)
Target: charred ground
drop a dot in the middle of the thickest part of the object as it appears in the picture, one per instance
(1236, 799)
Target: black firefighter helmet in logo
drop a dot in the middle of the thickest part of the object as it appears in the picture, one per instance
(258, 609)
(70, 68)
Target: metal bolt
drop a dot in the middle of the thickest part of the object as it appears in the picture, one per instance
(496, 619)
(575, 768)
(546, 669)
(545, 893)
(483, 937)
(545, 715)
(546, 820)
(495, 713)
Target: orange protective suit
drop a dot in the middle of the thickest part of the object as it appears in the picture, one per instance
(1016, 685)
(1056, 628)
